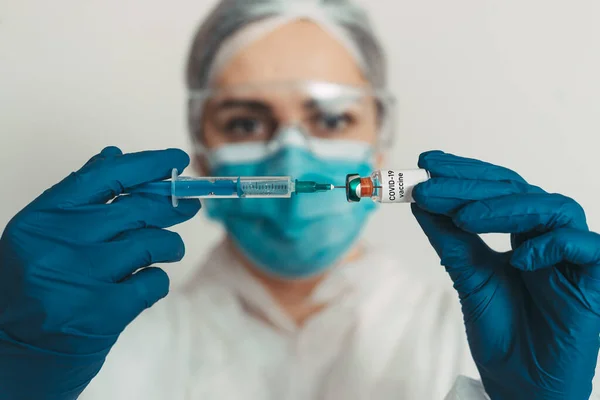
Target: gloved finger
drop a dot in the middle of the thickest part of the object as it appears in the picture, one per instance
(137, 211)
(473, 268)
(107, 152)
(447, 195)
(561, 245)
(102, 222)
(465, 255)
(143, 289)
(520, 213)
(445, 165)
(103, 179)
(136, 249)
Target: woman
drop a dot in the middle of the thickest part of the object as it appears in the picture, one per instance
(295, 295)
(292, 305)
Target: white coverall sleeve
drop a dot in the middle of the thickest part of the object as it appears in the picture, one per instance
(467, 389)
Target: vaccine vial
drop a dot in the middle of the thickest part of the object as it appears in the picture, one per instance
(385, 186)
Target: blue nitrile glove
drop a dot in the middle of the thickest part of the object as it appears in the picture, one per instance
(68, 280)
(531, 314)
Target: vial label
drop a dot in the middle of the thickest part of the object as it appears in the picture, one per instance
(397, 186)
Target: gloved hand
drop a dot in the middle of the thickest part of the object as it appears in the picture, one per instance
(532, 315)
(68, 280)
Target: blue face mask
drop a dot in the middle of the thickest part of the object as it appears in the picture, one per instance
(298, 237)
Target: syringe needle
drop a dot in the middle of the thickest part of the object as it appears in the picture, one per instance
(344, 187)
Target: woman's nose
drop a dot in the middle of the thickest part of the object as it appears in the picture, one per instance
(292, 135)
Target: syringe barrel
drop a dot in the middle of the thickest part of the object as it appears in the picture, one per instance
(230, 187)
(266, 186)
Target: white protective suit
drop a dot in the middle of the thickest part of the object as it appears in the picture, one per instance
(387, 332)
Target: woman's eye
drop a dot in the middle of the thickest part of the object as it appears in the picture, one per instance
(244, 127)
(333, 122)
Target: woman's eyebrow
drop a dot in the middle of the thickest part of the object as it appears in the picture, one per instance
(253, 105)
(333, 102)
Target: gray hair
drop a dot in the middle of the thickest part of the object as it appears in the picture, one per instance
(229, 16)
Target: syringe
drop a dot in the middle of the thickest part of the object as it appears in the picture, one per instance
(182, 187)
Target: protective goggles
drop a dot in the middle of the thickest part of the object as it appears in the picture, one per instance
(320, 110)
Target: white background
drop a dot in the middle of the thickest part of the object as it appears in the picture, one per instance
(514, 82)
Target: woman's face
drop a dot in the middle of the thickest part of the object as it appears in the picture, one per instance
(298, 51)
(265, 88)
